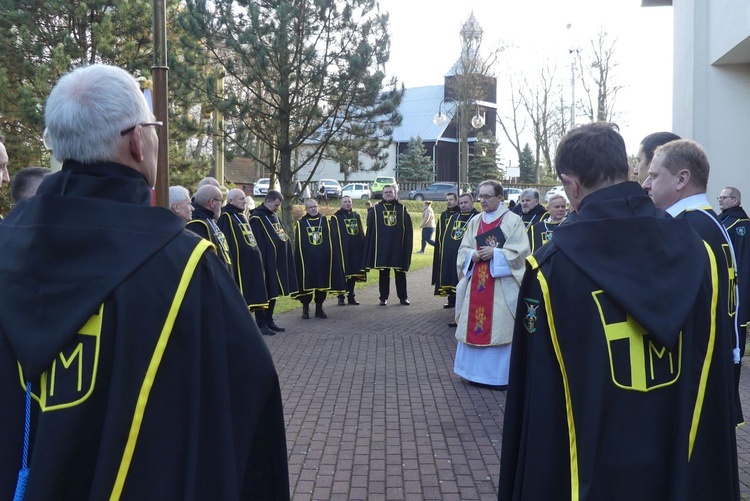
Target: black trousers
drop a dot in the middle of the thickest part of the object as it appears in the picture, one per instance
(385, 284)
(305, 299)
(265, 317)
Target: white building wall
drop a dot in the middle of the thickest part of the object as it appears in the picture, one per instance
(328, 169)
(712, 87)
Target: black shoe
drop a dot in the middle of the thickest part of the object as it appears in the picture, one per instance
(275, 327)
(446, 306)
(452, 324)
(306, 311)
(353, 301)
(383, 302)
(266, 331)
(342, 302)
(319, 313)
(405, 302)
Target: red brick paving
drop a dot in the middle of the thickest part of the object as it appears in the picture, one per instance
(374, 411)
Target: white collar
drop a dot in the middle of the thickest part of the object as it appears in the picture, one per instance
(698, 201)
(488, 217)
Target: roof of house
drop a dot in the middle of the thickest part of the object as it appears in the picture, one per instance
(240, 170)
(419, 106)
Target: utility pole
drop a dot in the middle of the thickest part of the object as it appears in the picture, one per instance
(159, 75)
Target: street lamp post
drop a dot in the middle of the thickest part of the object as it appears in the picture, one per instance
(477, 122)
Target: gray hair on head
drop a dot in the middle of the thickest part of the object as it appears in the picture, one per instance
(178, 194)
(88, 108)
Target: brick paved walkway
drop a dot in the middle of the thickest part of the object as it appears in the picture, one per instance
(374, 410)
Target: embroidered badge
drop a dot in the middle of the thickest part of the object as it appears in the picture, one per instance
(351, 226)
(315, 235)
(280, 232)
(740, 231)
(482, 274)
(389, 217)
(529, 321)
(459, 227)
(479, 319)
(248, 235)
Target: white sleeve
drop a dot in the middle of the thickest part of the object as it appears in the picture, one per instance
(468, 268)
(499, 266)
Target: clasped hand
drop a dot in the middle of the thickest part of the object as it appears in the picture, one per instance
(483, 254)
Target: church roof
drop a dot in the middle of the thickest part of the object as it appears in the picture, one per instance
(419, 106)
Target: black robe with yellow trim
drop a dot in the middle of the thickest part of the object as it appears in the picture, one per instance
(246, 257)
(440, 226)
(541, 233)
(149, 378)
(444, 265)
(317, 256)
(619, 387)
(278, 257)
(204, 226)
(389, 239)
(351, 238)
(705, 222)
(737, 224)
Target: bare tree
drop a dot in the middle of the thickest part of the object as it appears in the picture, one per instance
(513, 123)
(597, 70)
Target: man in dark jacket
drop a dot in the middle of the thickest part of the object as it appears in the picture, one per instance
(122, 336)
(532, 211)
(622, 375)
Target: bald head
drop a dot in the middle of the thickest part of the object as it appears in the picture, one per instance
(237, 197)
(209, 197)
(208, 181)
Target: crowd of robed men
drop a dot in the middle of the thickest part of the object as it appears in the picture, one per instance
(128, 332)
(330, 254)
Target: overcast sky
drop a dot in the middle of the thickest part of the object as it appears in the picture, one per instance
(425, 43)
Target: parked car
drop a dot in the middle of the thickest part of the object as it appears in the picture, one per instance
(377, 186)
(356, 190)
(512, 194)
(557, 190)
(260, 188)
(435, 191)
(333, 187)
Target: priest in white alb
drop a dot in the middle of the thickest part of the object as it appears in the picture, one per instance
(491, 264)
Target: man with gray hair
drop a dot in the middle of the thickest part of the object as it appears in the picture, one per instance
(531, 210)
(207, 205)
(26, 182)
(125, 329)
(179, 202)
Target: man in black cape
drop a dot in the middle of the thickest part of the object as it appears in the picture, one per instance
(319, 268)
(448, 245)
(619, 388)
(243, 250)
(388, 244)
(351, 237)
(278, 258)
(207, 204)
(122, 336)
(451, 203)
(735, 220)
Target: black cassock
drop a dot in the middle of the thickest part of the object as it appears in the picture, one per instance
(317, 256)
(444, 267)
(204, 226)
(246, 256)
(351, 237)
(278, 260)
(389, 239)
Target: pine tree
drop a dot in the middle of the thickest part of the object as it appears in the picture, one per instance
(300, 72)
(484, 164)
(527, 165)
(414, 165)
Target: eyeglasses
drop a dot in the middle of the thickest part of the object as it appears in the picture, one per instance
(127, 131)
(485, 197)
(720, 198)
